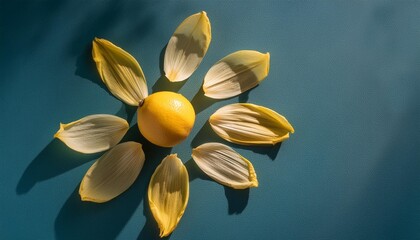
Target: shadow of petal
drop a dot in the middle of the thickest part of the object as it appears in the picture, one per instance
(237, 199)
(127, 112)
(87, 220)
(201, 102)
(55, 159)
(86, 68)
(205, 135)
(270, 151)
(163, 84)
(150, 230)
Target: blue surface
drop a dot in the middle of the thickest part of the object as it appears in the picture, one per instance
(345, 73)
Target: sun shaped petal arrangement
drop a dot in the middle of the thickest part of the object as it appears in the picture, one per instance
(241, 123)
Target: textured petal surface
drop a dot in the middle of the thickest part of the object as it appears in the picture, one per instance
(113, 173)
(225, 166)
(250, 124)
(93, 133)
(120, 72)
(187, 47)
(236, 73)
(168, 193)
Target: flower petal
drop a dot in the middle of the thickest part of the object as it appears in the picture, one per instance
(120, 72)
(187, 47)
(250, 124)
(93, 133)
(225, 166)
(236, 73)
(113, 173)
(168, 193)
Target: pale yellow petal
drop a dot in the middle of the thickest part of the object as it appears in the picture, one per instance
(250, 124)
(236, 73)
(187, 47)
(225, 166)
(93, 133)
(120, 72)
(113, 173)
(168, 193)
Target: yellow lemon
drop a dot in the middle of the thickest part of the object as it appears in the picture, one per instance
(165, 118)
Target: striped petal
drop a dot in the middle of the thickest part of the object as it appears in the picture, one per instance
(250, 124)
(120, 72)
(168, 193)
(225, 166)
(187, 47)
(236, 73)
(93, 133)
(113, 173)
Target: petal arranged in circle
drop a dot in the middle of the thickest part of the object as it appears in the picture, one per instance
(236, 73)
(250, 124)
(93, 133)
(113, 173)
(120, 72)
(225, 166)
(187, 47)
(168, 193)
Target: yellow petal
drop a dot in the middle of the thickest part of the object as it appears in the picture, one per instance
(113, 173)
(168, 193)
(120, 72)
(250, 124)
(225, 166)
(236, 73)
(187, 47)
(93, 133)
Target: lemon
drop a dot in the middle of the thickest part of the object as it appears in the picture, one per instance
(165, 118)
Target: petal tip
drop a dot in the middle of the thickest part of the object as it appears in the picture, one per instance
(85, 198)
(204, 15)
(252, 175)
(97, 41)
(253, 179)
(82, 194)
(253, 183)
(292, 129)
(57, 134)
(163, 234)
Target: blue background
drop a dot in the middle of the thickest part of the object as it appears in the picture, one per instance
(346, 74)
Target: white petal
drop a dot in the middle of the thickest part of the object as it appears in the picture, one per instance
(120, 72)
(250, 124)
(168, 193)
(93, 133)
(225, 166)
(236, 73)
(113, 173)
(187, 47)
